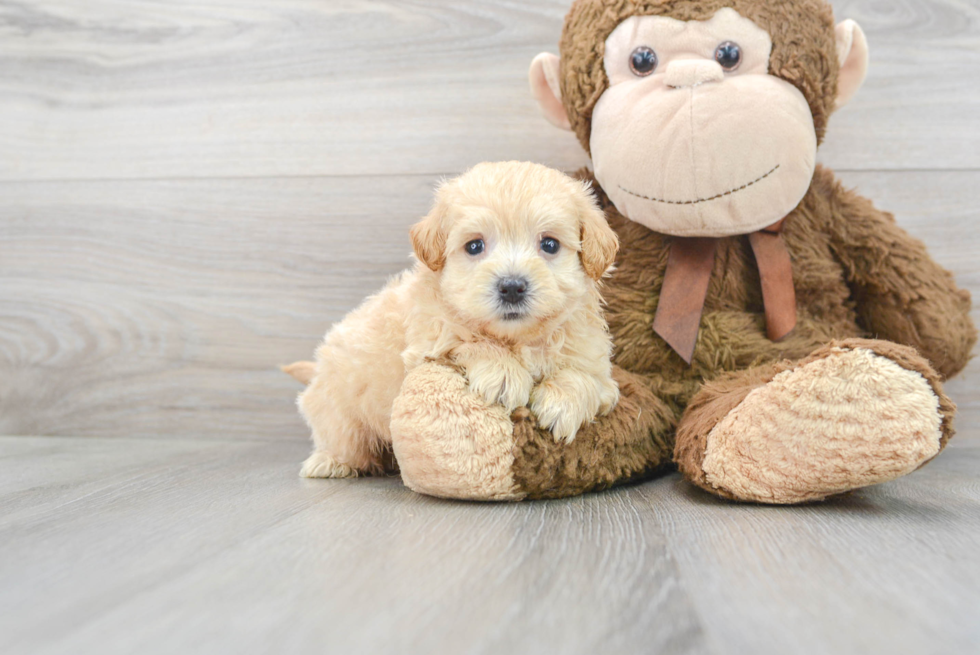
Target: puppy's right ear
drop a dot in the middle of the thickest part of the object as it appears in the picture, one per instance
(429, 238)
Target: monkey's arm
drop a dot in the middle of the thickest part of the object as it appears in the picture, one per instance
(901, 294)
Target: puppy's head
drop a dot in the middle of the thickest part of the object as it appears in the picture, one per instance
(516, 245)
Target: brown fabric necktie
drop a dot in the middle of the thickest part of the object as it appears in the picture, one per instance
(686, 280)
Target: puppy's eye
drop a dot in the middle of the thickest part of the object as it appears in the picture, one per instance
(474, 247)
(550, 245)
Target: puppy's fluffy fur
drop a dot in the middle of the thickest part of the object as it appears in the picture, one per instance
(549, 349)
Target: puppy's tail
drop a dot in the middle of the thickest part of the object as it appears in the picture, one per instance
(302, 371)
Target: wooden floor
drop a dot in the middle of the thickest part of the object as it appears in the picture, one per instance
(208, 546)
(191, 192)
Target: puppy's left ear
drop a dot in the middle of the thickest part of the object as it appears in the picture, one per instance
(599, 242)
(429, 238)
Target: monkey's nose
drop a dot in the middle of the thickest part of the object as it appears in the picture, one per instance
(512, 290)
(685, 73)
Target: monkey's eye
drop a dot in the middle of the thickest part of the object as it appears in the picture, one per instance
(474, 247)
(643, 61)
(549, 245)
(728, 55)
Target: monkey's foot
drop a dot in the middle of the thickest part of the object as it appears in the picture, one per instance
(853, 414)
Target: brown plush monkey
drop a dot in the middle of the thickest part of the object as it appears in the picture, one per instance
(776, 336)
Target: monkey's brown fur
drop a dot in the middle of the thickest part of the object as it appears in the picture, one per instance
(856, 274)
(632, 442)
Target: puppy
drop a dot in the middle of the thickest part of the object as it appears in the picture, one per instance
(505, 286)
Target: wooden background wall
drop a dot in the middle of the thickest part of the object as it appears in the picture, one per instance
(191, 192)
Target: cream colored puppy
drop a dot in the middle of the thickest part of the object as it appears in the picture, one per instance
(506, 287)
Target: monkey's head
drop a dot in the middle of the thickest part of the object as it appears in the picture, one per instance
(702, 117)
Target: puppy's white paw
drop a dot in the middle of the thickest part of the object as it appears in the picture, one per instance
(502, 381)
(608, 396)
(322, 465)
(558, 411)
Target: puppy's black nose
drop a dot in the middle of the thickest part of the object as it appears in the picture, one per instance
(512, 290)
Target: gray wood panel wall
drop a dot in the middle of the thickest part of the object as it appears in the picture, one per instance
(191, 193)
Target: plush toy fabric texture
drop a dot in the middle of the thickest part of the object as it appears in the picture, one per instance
(811, 419)
(684, 182)
(856, 274)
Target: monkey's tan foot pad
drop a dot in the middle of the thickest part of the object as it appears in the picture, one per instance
(322, 465)
(450, 442)
(843, 419)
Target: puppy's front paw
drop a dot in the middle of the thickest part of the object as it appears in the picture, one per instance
(608, 396)
(558, 411)
(322, 465)
(500, 381)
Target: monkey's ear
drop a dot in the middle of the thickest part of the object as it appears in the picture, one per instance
(429, 239)
(546, 89)
(852, 53)
(599, 242)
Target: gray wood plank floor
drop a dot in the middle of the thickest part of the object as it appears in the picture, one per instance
(190, 546)
(190, 193)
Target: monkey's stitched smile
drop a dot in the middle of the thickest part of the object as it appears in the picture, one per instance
(700, 200)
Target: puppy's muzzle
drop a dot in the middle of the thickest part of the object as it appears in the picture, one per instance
(513, 290)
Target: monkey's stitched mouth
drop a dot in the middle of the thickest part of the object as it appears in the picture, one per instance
(700, 200)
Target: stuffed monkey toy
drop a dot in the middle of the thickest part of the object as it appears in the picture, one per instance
(776, 337)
